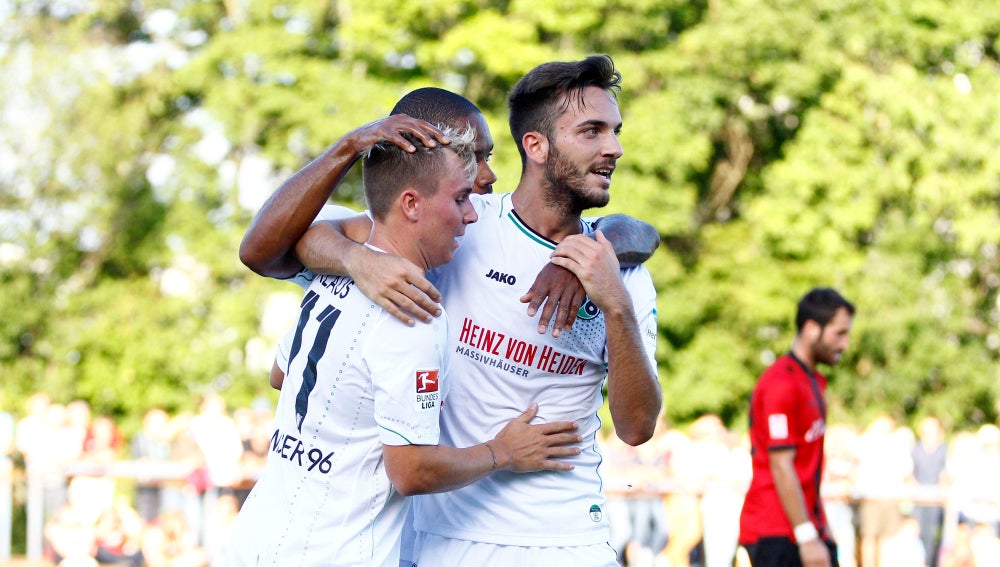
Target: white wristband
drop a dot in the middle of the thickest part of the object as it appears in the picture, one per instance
(805, 532)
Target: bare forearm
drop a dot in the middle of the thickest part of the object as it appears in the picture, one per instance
(786, 482)
(394, 283)
(519, 447)
(634, 395)
(268, 245)
(634, 240)
(439, 468)
(326, 250)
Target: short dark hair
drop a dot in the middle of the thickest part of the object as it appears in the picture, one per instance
(546, 91)
(388, 169)
(436, 106)
(820, 305)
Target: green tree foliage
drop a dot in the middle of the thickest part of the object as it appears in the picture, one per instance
(776, 145)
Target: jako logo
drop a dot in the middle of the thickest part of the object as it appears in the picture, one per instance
(501, 277)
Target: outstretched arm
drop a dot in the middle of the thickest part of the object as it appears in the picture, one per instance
(560, 293)
(519, 447)
(268, 245)
(634, 395)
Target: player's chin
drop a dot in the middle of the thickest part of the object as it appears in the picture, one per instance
(599, 196)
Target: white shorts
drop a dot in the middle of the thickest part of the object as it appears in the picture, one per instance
(437, 551)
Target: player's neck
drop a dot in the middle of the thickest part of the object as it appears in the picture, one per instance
(545, 219)
(803, 353)
(397, 243)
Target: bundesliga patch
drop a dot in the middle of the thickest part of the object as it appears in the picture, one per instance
(777, 426)
(427, 396)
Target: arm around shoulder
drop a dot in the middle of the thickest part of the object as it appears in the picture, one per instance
(395, 284)
(268, 245)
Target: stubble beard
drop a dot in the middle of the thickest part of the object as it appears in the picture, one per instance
(823, 353)
(565, 186)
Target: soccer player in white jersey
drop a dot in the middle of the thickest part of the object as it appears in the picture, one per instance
(357, 423)
(565, 121)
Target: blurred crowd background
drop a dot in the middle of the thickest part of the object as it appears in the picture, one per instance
(896, 496)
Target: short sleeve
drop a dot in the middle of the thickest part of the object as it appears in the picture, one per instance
(779, 407)
(284, 349)
(639, 284)
(409, 378)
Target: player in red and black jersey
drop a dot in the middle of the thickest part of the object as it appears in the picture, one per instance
(783, 523)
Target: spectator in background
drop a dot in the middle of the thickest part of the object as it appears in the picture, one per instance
(683, 511)
(186, 495)
(976, 472)
(6, 432)
(6, 473)
(31, 429)
(903, 547)
(840, 466)
(884, 466)
(171, 542)
(648, 513)
(929, 454)
(218, 438)
(725, 475)
(34, 421)
(256, 424)
(119, 535)
(71, 533)
(151, 445)
(104, 442)
(78, 417)
(48, 446)
(985, 545)
(222, 519)
(971, 546)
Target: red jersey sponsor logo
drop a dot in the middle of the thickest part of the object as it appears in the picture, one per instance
(523, 353)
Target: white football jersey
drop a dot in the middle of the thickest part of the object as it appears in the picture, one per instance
(357, 379)
(501, 365)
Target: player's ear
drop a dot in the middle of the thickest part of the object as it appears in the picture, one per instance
(811, 330)
(409, 203)
(536, 146)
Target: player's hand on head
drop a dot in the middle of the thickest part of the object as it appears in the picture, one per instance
(558, 292)
(398, 286)
(528, 448)
(593, 261)
(400, 129)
